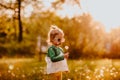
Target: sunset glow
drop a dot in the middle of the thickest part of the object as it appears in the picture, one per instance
(69, 10)
(105, 11)
(10, 1)
(28, 10)
(59, 40)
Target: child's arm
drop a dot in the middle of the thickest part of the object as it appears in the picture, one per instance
(66, 55)
(53, 57)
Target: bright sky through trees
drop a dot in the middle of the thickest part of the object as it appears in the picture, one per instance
(28, 10)
(105, 11)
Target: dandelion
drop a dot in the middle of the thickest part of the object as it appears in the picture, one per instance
(76, 70)
(103, 68)
(96, 77)
(111, 74)
(102, 72)
(116, 72)
(13, 74)
(83, 74)
(113, 69)
(96, 70)
(41, 67)
(9, 71)
(92, 62)
(23, 75)
(11, 67)
(88, 77)
(66, 47)
(44, 72)
(99, 76)
(107, 70)
(115, 75)
(88, 71)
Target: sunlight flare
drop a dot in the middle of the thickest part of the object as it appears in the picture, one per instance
(69, 10)
(105, 11)
(11, 67)
(28, 10)
(10, 1)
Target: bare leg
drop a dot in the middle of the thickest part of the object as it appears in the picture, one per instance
(59, 76)
(56, 76)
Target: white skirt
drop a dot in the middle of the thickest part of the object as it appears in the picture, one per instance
(53, 67)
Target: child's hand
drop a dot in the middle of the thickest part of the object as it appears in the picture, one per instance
(66, 55)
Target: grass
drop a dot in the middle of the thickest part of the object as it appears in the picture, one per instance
(32, 69)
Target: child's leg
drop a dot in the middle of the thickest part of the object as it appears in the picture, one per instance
(59, 76)
(56, 76)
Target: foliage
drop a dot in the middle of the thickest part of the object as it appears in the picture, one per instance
(115, 41)
(84, 36)
(14, 49)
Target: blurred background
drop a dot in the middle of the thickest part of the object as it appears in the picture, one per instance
(91, 30)
(24, 25)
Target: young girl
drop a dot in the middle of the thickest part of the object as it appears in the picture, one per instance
(56, 58)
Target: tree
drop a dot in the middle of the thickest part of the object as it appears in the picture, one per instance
(20, 23)
(12, 6)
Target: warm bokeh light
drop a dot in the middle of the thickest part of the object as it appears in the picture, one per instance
(11, 67)
(90, 52)
(105, 11)
(69, 10)
(10, 13)
(10, 1)
(47, 3)
(28, 10)
(66, 47)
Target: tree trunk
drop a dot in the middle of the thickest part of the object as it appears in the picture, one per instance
(19, 22)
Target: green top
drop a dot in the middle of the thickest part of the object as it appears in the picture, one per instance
(55, 54)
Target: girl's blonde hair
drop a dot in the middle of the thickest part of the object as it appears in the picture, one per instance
(54, 30)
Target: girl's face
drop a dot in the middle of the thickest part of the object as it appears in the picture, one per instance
(57, 40)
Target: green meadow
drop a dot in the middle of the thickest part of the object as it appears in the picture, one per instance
(82, 69)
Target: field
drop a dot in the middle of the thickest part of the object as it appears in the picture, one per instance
(83, 69)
